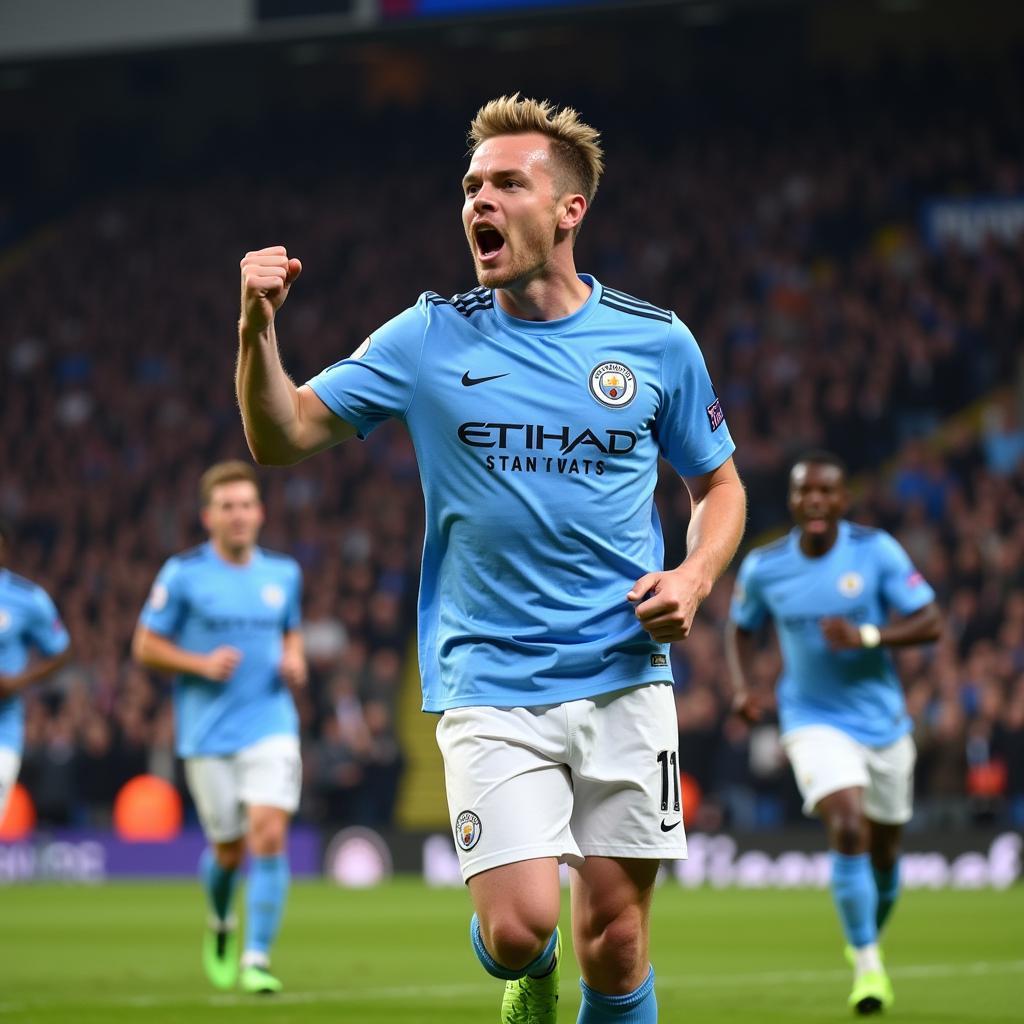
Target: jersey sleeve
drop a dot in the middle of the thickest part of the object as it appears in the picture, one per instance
(378, 380)
(293, 607)
(165, 608)
(46, 631)
(904, 589)
(748, 609)
(690, 425)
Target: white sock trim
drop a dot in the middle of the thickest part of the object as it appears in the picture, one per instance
(254, 958)
(866, 959)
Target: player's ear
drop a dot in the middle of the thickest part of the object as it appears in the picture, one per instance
(573, 208)
(204, 516)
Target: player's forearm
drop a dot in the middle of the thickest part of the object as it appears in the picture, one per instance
(159, 654)
(268, 399)
(34, 673)
(740, 651)
(716, 529)
(923, 627)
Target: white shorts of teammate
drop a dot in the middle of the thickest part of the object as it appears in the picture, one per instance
(267, 774)
(10, 763)
(593, 777)
(826, 760)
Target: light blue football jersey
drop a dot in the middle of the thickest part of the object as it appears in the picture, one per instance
(28, 621)
(538, 446)
(864, 577)
(201, 602)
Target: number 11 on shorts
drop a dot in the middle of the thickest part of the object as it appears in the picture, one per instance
(666, 758)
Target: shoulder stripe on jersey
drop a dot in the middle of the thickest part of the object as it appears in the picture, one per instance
(665, 318)
(19, 581)
(279, 556)
(632, 300)
(776, 547)
(195, 552)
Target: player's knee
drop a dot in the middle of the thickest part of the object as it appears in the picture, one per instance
(230, 855)
(615, 950)
(516, 941)
(267, 836)
(848, 833)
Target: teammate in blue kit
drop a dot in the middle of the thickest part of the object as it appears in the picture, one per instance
(539, 404)
(29, 624)
(224, 618)
(831, 587)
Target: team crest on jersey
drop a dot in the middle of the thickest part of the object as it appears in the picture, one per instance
(613, 384)
(272, 595)
(467, 830)
(158, 597)
(851, 584)
(5, 621)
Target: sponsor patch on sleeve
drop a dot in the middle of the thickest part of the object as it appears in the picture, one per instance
(716, 417)
(915, 579)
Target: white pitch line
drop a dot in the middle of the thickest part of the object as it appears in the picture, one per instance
(693, 981)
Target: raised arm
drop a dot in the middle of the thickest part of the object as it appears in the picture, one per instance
(283, 424)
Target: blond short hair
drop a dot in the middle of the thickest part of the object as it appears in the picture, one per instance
(225, 473)
(575, 146)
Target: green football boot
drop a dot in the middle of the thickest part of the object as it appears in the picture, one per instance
(533, 1000)
(872, 993)
(259, 981)
(220, 953)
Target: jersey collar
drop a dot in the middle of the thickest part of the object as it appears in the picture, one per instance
(560, 326)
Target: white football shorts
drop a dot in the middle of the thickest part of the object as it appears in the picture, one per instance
(267, 774)
(592, 777)
(826, 759)
(10, 763)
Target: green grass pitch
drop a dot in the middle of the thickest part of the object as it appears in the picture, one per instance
(127, 952)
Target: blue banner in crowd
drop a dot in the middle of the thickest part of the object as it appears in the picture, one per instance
(969, 223)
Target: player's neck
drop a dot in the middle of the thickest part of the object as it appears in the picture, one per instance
(236, 556)
(815, 545)
(551, 296)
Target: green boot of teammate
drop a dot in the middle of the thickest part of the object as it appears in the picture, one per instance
(872, 993)
(533, 1000)
(220, 953)
(259, 981)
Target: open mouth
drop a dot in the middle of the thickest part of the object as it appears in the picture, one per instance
(489, 241)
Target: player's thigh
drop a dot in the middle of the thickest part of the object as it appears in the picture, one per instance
(10, 764)
(625, 767)
(510, 796)
(270, 774)
(889, 797)
(825, 760)
(213, 783)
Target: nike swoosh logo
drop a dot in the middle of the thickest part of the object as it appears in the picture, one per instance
(668, 828)
(468, 382)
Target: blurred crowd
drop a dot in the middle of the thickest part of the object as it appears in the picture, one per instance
(796, 258)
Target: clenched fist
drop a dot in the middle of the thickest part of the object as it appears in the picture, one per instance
(267, 274)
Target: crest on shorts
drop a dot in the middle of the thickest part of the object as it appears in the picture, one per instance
(851, 584)
(613, 384)
(272, 595)
(467, 830)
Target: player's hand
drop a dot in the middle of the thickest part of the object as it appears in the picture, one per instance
(748, 706)
(841, 634)
(267, 275)
(293, 670)
(9, 686)
(666, 603)
(219, 664)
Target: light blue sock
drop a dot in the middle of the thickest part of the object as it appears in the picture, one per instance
(536, 968)
(637, 1007)
(219, 884)
(856, 898)
(265, 898)
(887, 884)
